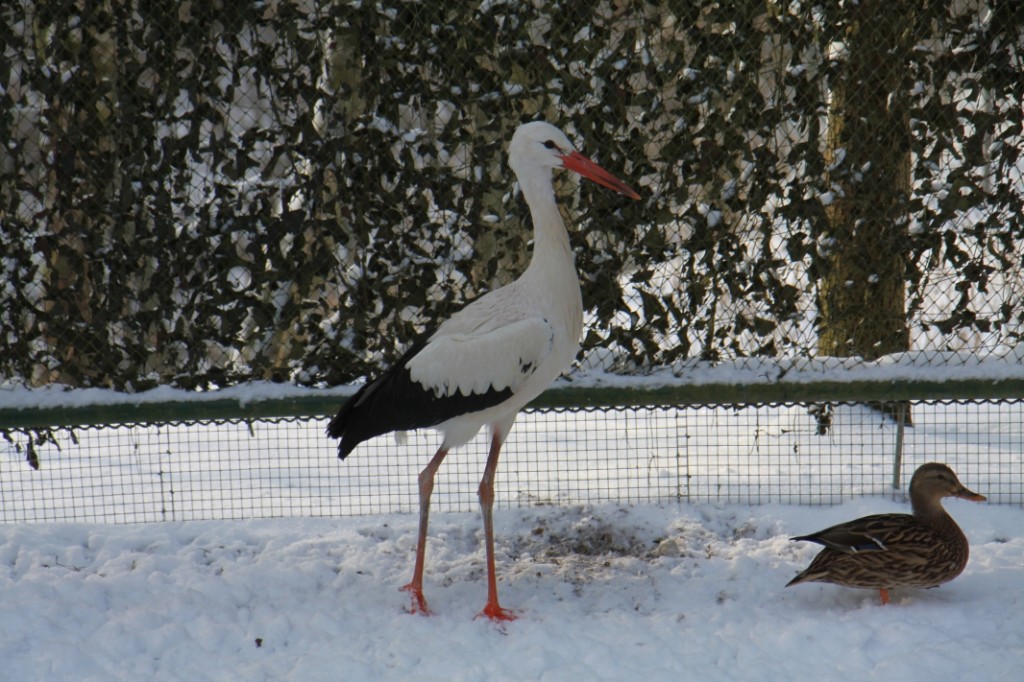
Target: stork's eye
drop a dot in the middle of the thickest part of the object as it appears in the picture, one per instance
(550, 144)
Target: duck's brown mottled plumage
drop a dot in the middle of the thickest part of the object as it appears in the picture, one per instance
(887, 551)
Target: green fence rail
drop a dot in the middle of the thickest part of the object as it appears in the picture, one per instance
(206, 406)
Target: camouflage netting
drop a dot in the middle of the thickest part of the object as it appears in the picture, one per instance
(202, 193)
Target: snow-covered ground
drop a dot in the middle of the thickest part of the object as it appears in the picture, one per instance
(612, 582)
(606, 592)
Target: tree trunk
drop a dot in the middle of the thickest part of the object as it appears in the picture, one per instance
(861, 293)
(862, 299)
(81, 117)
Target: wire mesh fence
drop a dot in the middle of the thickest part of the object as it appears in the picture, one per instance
(820, 454)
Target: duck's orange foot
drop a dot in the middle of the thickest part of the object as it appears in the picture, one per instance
(419, 602)
(497, 614)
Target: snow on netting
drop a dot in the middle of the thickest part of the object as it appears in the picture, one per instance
(287, 468)
(198, 195)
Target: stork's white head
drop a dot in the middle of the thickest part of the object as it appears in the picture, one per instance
(537, 147)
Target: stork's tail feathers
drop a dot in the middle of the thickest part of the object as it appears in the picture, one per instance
(363, 416)
(339, 426)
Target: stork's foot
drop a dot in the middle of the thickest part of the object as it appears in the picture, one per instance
(497, 614)
(418, 601)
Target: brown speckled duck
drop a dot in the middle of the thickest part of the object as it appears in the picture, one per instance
(888, 551)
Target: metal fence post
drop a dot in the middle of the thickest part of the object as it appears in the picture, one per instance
(897, 461)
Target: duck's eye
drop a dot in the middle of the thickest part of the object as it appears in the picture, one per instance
(550, 144)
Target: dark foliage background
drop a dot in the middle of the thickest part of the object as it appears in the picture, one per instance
(199, 194)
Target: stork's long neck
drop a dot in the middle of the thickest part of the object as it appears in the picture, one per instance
(552, 269)
(552, 253)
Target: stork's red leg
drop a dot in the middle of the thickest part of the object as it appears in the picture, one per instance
(885, 595)
(492, 610)
(426, 482)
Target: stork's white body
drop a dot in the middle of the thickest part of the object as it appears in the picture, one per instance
(521, 336)
(485, 363)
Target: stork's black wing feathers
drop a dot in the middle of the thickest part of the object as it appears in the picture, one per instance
(394, 402)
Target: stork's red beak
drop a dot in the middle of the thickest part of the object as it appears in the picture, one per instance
(578, 163)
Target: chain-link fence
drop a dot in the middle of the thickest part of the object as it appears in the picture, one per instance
(198, 194)
(202, 194)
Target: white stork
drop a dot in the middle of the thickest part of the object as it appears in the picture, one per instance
(486, 362)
